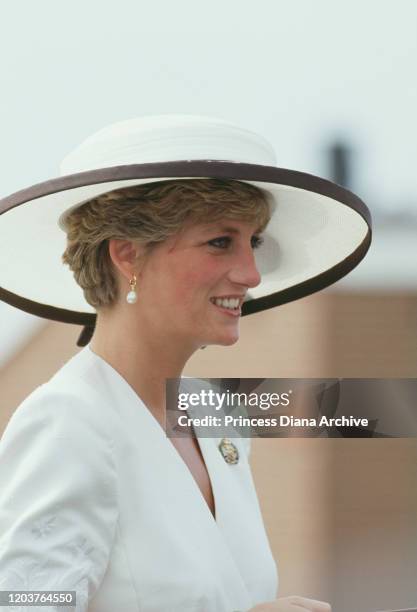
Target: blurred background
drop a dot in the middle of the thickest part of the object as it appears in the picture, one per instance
(331, 86)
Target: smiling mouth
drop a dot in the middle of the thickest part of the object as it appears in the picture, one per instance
(233, 309)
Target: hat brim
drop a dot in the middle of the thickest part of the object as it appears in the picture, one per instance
(318, 233)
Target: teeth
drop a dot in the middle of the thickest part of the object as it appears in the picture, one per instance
(232, 303)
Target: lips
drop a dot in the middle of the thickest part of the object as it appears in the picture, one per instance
(239, 297)
(235, 312)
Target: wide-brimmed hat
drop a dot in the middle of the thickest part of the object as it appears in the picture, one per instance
(318, 232)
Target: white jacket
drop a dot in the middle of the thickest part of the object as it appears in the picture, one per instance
(95, 498)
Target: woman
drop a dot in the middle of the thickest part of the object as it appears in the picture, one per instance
(94, 497)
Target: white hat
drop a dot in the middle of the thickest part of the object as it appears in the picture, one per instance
(318, 232)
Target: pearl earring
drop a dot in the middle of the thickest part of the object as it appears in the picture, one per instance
(132, 296)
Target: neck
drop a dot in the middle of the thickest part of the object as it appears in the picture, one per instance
(143, 355)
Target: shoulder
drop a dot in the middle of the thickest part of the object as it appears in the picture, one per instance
(55, 436)
(58, 443)
(64, 407)
(59, 411)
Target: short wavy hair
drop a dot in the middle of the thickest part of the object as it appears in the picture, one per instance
(149, 214)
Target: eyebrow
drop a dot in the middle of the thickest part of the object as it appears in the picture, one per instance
(231, 230)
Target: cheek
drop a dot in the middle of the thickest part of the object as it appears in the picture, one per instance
(184, 278)
(187, 285)
(192, 286)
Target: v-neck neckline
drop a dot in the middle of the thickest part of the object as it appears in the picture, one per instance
(162, 431)
(214, 516)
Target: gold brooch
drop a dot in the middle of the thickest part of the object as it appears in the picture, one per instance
(229, 451)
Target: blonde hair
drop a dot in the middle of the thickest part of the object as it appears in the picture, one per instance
(149, 214)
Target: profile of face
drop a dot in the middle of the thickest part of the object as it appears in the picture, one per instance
(191, 286)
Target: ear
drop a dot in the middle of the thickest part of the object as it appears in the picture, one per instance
(125, 255)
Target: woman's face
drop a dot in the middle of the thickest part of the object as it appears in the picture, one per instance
(184, 277)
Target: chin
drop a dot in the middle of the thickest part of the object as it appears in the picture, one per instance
(225, 337)
(225, 340)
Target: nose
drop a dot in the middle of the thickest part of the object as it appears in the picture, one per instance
(245, 271)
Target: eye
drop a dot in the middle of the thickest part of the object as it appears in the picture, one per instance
(223, 240)
(257, 241)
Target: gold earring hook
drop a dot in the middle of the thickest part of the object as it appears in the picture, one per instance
(132, 283)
